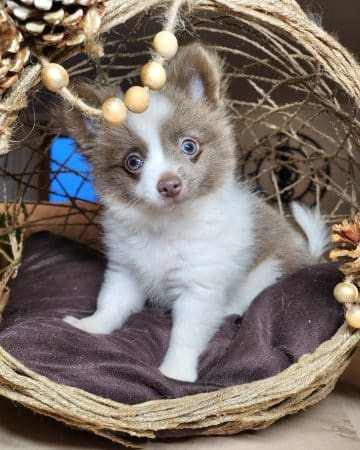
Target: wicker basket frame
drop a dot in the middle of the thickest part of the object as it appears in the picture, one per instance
(227, 411)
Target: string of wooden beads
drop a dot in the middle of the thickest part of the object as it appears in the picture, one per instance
(347, 293)
(114, 110)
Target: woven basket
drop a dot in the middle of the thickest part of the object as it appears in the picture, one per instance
(294, 92)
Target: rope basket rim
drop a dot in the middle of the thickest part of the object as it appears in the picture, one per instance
(285, 16)
(229, 410)
(254, 405)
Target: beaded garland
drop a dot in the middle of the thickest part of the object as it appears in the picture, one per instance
(136, 99)
(347, 293)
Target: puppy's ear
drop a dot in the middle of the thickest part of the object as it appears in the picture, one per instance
(199, 72)
(74, 123)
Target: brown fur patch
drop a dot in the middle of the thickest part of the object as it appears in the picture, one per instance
(196, 120)
(277, 239)
(104, 146)
(196, 59)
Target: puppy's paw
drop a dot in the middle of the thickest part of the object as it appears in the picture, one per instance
(89, 324)
(178, 371)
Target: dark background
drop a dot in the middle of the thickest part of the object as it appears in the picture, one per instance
(340, 18)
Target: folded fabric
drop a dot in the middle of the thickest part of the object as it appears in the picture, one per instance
(58, 277)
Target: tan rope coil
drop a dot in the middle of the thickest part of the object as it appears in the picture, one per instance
(231, 410)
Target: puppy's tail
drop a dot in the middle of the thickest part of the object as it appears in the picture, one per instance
(314, 227)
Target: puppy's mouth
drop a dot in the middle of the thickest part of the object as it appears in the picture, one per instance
(172, 201)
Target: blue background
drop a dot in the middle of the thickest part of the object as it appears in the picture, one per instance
(63, 154)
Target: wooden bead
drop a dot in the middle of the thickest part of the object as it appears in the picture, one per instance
(136, 99)
(54, 77)
(353, 316)
(165, 44)
(153, 75)
(346, 292)
(114, 111)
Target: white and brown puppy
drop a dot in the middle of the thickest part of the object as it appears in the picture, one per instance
(179, 228)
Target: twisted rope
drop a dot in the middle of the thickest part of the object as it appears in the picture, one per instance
(230, 410)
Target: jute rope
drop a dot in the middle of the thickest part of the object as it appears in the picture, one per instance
(250, 406)
(283, 16)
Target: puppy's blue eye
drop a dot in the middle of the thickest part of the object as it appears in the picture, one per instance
(189, 147)
(133, 163)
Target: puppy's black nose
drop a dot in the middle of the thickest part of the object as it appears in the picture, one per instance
(169, 186)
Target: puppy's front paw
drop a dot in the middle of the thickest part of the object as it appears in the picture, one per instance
(89, 324)
(178, 371)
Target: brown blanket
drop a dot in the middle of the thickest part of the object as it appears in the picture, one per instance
(59, 277)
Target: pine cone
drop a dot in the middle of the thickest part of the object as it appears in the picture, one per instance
(56, 22)
(13, 53)
(347, 235)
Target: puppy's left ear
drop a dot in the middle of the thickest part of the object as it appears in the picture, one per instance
(199, 72)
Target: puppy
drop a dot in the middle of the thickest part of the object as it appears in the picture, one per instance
(179, 228)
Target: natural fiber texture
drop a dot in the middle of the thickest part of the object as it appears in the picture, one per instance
(75, 101)
(285, 17)
(231, 410)
(295, 96)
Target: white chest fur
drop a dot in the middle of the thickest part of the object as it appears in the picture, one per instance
(204, 243)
